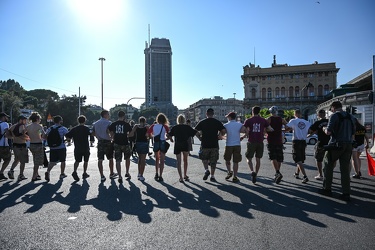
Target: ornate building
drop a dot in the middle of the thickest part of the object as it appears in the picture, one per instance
(288, 87)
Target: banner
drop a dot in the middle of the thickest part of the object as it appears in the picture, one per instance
(371, 164)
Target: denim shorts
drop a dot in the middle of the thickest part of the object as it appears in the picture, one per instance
(141, 147)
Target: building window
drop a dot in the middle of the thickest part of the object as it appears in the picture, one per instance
(291, 91)
(268, 77)
(304, 75)
(296, 91)
(253, 78)
(263, 78)
(325, 73)
(296, 76)
(311, 75)
(320, 74)
(291, 76)
(269, 93)
(326, 89)
(264, 93)
(253, 93)
(277, 77)
(320, 90)
(311, 91)
(282, 92)
(277, 92)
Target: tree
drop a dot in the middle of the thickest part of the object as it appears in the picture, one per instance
(150, 114)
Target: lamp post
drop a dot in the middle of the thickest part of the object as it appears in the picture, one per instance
(129, 101)
(102, 59)
(234, 105)
(307, 86)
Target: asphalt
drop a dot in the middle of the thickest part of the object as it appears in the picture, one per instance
(88, 214)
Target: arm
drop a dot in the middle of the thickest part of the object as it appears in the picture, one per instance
(131, 134)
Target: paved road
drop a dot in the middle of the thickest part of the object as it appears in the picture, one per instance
(64, 214)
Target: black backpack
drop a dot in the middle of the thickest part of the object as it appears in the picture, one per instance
(53, 137)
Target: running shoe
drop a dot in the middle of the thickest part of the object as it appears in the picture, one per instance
(318, 177)
(213, 179)
(113, 175)
(156, 177)
(230, 174)
(75, 176)
(21, 177)
(296, 175)
(141, 178)
(102, 179)
(63, 175)
(85, 175)
(305, 179)
(11, 174)
(206, 174)
(356, 176)
(278, 177)
(235, 179)
(254, 177)
(46, 176)
(2, 177)
(120, 180)
(128, 177)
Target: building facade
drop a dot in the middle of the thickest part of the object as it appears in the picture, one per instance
(288, 87)
(158, 76)
(221, 107)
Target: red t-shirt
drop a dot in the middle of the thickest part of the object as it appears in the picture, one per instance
(256, 125)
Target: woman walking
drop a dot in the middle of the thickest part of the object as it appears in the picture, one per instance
(182, 135)
(159, 131)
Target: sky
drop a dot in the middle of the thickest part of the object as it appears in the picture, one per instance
(56, 44)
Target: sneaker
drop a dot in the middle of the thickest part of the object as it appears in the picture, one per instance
(38, 178)
(11, 174)
(128, 177)
(359, 173)
(278, 177)
(46, 176)
(102, 179)
(345, 197)
(235, 179)
(149, 154)
(296, 175)
(2, 177)
(206, 174)
(21, 177)
(63, 175)
(113, 175)
(356, 176)
(318, 177)
(325, 192)
(85, 175)
(75, 176)
(141, 178)
(213, 179)
(305, 179)
(160, 179)
(156, 177)
(120, 180)
(254, 177)
(230, 174)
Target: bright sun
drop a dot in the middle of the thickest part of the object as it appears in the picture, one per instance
(97, 12)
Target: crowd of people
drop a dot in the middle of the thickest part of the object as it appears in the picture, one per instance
(340, 138)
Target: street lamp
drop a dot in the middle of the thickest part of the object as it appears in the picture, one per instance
(234, 102)
(129, 101)
(102, 59)
(307, 86)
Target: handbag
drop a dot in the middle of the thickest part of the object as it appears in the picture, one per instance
(167, 145)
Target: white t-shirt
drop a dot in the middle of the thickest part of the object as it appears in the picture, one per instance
(4, 141)
(300, 128)
(233, 133)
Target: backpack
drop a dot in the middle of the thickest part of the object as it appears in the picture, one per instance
(53, 137)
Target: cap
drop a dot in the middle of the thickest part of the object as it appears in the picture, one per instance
(231, 115)
(4, 114)
(210, 110)
(22, 117)
(273, 110)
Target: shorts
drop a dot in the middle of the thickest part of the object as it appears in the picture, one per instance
(57, 155)
(275, 152)
(105, 148)
(235, 151)
(209, 154)
(319, 153)
(159, 146)
(142, 147)
(122, 150)
(5, 154)
(79, 154)
(37, 150)
(359, 149)
(299, 151)
(181, 146)
(21, 154)
(256, 148)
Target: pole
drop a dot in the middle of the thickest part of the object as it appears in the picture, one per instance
(102, 59)
(127, 104)
(234, 105)
(79, 101)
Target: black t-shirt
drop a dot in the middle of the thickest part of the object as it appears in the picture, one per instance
(80, 135)
(210, 128)
(120, 130)
(360, 132)
(323, 138)
(182, 132)
(140, 134)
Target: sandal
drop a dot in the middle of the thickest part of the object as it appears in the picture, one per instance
(186, 178)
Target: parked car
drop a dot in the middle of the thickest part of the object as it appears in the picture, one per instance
(312, 139)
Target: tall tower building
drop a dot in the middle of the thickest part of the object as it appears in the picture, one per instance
(158, 76)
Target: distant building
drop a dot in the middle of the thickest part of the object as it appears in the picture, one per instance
(221, 107)
(288, 87)
(158, 76)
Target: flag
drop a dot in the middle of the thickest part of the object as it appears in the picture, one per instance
(371, 164)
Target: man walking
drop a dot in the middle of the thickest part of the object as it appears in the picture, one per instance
(255, 128)
(105, 146)
(57, 153)
(119, 131)
(208, 133)
(323, 139)
(80, 135)
(233, 145)
(341, 128)
(5, 153)
(300, 129)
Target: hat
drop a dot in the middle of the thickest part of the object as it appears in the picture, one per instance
(4, 114)
(210, 110)
(273, 110)
(231, 115)
(22, 117)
